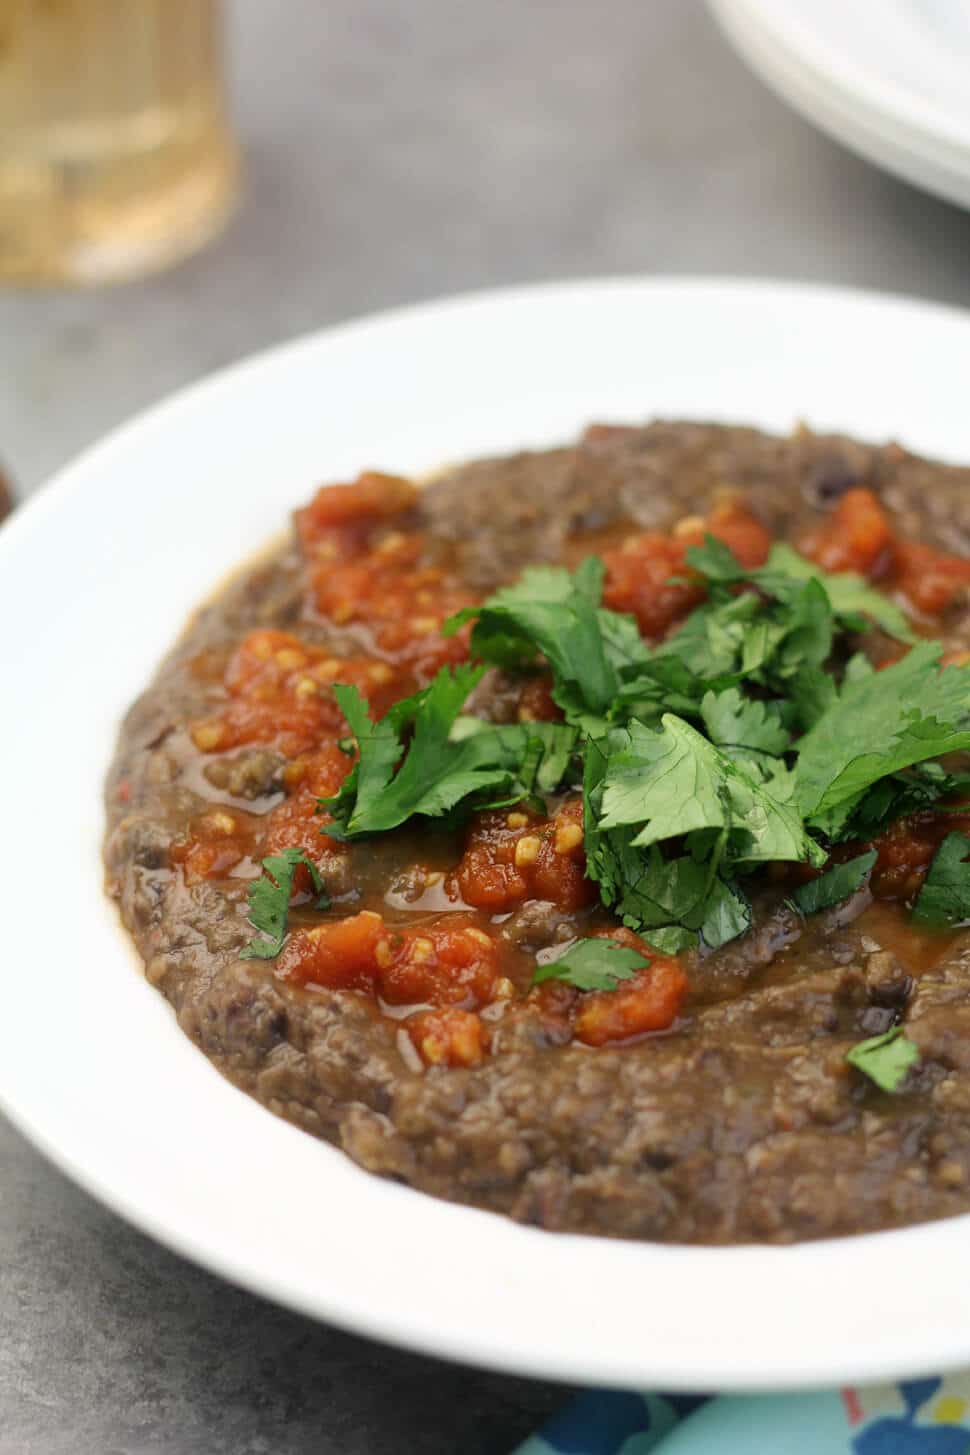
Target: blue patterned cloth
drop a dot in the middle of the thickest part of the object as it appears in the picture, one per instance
(914, 1417)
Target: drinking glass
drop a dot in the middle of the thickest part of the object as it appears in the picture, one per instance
(115, 151)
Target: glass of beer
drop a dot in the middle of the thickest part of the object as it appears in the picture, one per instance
(115, 152)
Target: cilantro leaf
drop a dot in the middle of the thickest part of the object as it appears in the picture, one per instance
(885, 1059)
(744, 727)
(671, 902)
(883, 722)
(785, 572)
(556, 613)
(649, 892)
(784, 626)
(850, 595)
(434, 776)
(672, 781)
(379, 749)
(592, 964)
(811, 692)
(643, 786)
(944, 899)
(727, 914)
(716, 561)
(835, 885)
(673, 939)
(540, 751)
(445, 763)
(744, 635)
(269, 901)
(920, 787)
(857, 667)
(666, 781)
(723, 640)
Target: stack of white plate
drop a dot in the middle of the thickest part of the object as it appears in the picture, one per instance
(889, 78)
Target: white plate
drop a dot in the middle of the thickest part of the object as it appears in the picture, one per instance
(97, 576)
(889, 78)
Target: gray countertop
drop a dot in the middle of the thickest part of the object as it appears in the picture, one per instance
(393, 152)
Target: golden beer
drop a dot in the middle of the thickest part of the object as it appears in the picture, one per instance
(115, 153)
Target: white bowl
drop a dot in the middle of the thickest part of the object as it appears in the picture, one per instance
(97, 576)
(887, 78)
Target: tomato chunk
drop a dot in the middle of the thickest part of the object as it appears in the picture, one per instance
(296, 823)
(364, 572)
(906, 850)
(859, 537)
(448, 1037)
(649, 576)
(453, 962)
(369, 500)
(216, 842)
(639, 580)
(450, 962)
(856, 537)
(649, 1001)
(341, 954)
(536, 703)
(281, 691)
(514, 856)
(732, 523)
(321, 772)
(404, 608)
(929, 579)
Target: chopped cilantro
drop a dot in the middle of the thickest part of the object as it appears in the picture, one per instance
(644, 786)
(557, 613)
(885, 1059)
(671, 781)
(835, 885)
(593, 964)
(923, 786)
(694, 773)
(725, 639)
(881, 723)
(269, 901)
(781, 629)
(944, 900)
(734, 636)
(850, 597)
(672, 939)
(445, 763)
(542, 751)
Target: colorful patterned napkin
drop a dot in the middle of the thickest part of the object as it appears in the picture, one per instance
(915, 1417)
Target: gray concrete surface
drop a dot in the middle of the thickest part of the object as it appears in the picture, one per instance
(394, 152)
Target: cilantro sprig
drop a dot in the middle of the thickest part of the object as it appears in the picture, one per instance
(592, 964)
(879, 724)
(269, 901)
(784, 576)
(773, 626)
(557, 614)
(421, 760)
(646, 787)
